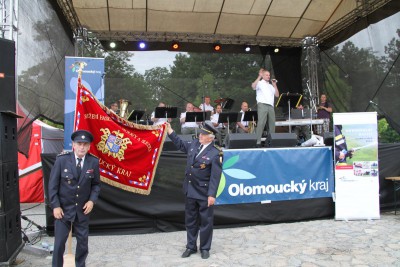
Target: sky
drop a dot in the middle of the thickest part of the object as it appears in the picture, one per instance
(377, 35)
(145, 60)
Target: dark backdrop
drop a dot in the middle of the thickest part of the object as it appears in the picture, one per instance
(122, 212)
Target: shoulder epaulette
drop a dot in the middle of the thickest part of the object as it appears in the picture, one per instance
(64, 153)
(218, 147)
(90, 154)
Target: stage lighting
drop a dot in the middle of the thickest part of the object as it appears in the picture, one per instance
(247, 48)
(217, 47)
(113, 45)
(276, 50)
(142, 45)
(175, 46)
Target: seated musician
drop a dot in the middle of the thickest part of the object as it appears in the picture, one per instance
(219, 126)
(188, 127)
(159, 121)
(243, 126)
(207, 105)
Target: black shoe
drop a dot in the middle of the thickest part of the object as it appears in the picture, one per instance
(205, 254)
(188, 252)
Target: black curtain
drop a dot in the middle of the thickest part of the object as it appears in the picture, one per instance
(287, 68)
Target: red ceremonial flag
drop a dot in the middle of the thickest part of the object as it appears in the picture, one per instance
(128, 153)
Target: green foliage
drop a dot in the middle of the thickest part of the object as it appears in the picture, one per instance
(386, 134)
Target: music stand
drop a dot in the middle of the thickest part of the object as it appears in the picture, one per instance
(166, 112)
(197, 117)
(135, 115)
(228, 117)
(251, 116)
(287, 99)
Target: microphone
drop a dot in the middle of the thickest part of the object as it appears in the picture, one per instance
(275, 80)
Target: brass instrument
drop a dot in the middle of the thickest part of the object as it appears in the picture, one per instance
(251, 125)
(123, 108)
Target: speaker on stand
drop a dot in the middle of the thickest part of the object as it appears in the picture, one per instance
(10, 218)
(283, 140)
(241, 140)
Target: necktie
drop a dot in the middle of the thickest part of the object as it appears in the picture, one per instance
(199, 149)
(79, 167)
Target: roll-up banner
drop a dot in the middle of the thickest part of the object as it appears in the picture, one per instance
(356, 166)
(92, 78)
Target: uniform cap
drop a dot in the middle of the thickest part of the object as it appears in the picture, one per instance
(82, 136)
(207, 129)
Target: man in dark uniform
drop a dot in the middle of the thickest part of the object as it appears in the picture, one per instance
(74, 187)
(202, 176)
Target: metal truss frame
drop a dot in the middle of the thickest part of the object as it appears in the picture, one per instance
(9, 19)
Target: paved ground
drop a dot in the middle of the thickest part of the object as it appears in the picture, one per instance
(307, 243)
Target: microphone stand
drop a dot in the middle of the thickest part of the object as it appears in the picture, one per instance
(313, 106)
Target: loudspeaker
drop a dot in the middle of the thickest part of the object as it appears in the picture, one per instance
(9, 187)
(10, 235)
(241, 140)
(328, 138)
(8, 138)
(7, 75)
(283, 140)
(169, 146)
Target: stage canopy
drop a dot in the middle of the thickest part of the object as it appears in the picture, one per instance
(237, 22)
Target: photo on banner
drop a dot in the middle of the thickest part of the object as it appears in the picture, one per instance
(356, 166)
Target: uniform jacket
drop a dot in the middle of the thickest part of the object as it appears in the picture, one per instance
(203, 173)
(70, 192)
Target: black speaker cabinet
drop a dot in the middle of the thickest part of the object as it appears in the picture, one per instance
(169, 146)
(7, 75)
(8, 138)
(283, 140)
(10, 235)
(328, 138)
(9, 187)
(241, 140)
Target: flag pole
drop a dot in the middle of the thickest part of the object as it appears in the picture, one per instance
(69, 258)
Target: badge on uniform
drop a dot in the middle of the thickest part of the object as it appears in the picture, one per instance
(202, 166)
(90, 171)
(65, 170)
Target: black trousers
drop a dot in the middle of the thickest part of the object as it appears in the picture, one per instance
(198, 218)
(61, 231)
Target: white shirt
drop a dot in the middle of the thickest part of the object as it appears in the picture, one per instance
(188, 124)
(265, 93)
(244, 123)
(208, 107)
(76, 160)
(204, 147)
(159, 121)
(214, 119)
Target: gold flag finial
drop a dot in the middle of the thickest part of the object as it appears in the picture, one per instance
(81, 65)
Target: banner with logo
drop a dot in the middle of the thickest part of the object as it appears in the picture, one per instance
(255, 175)
(92, 79)
(356, 166)
(128, 153)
